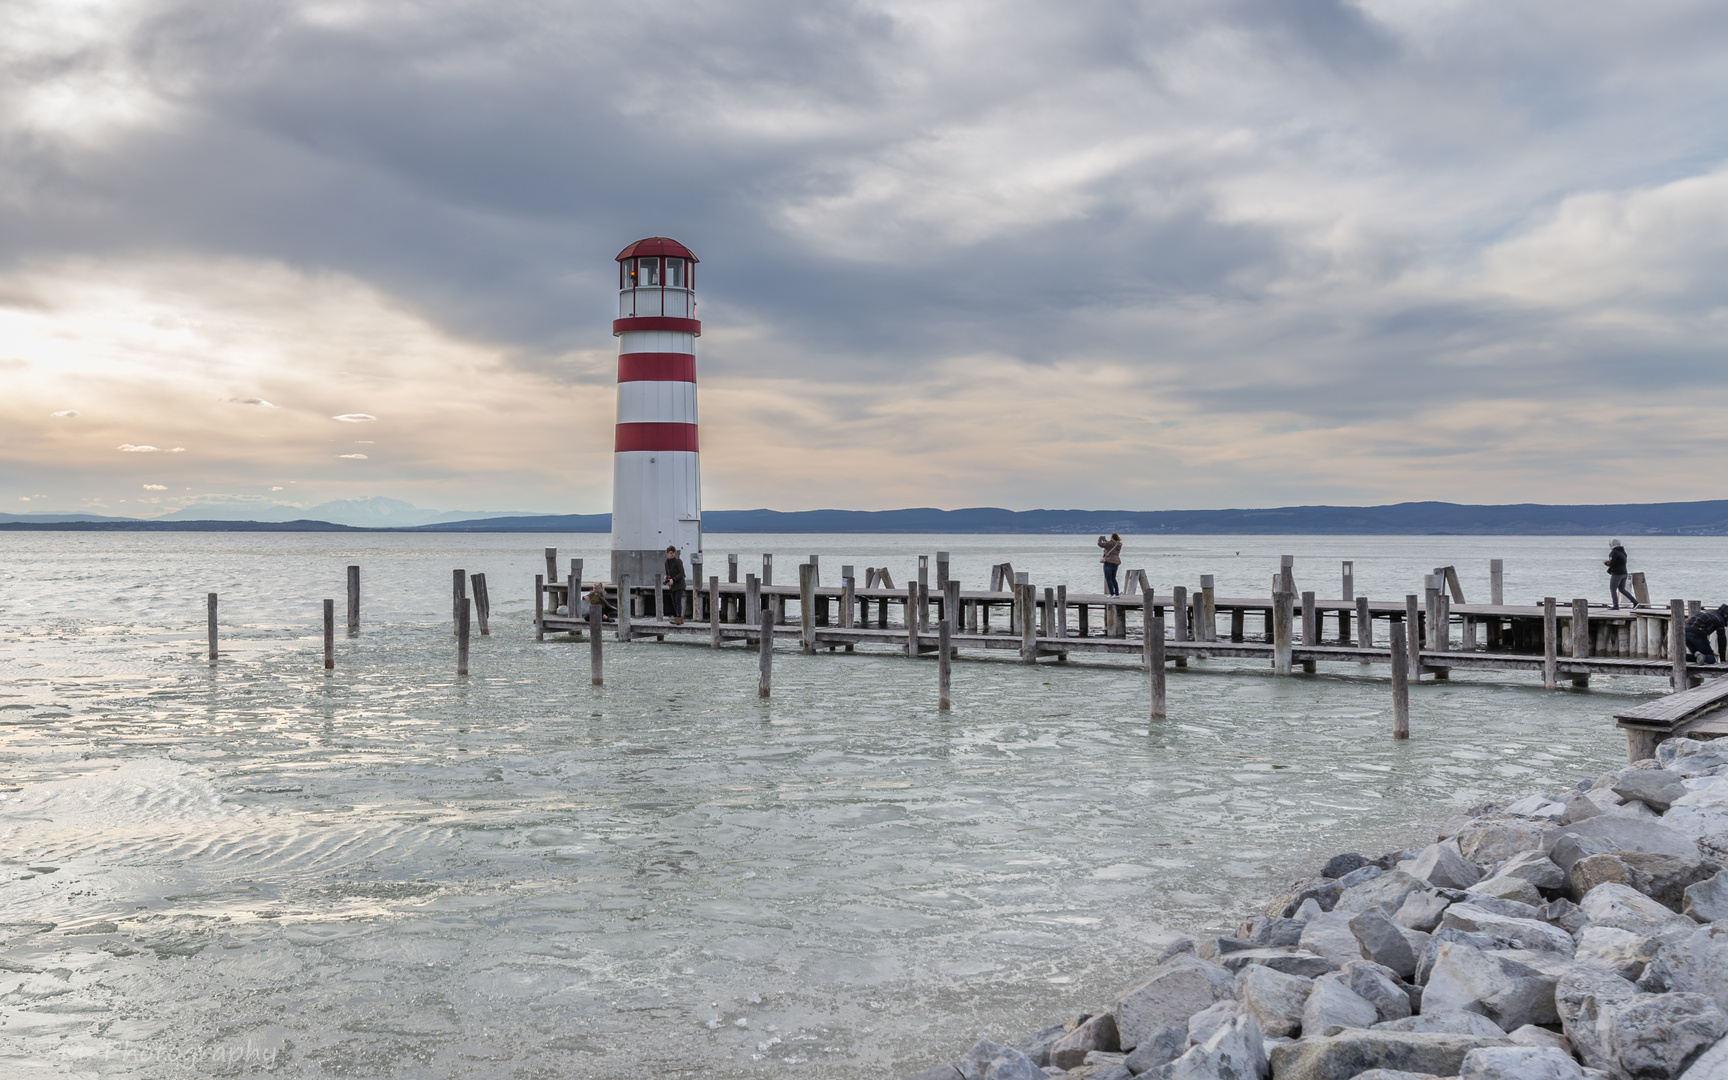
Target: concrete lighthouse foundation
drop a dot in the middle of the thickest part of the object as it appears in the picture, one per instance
(656, 475)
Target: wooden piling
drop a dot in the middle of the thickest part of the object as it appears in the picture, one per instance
(1178, 617)
(848, 602)
(624, 604)
(1442, 633)
(731, 569)
(951, 604)
(462, 637)
(767, 568)
(210, 617)
(752, 600)
(1364, 624)
(1453, 585)
(1238, 624)
(912, 617)
(1283, 605)
(1208, 620)
(1497, 581)
(1679, 680)
(1028, 623)
(329, 634)
(354, 599)
(1047, 619)
(576, 578)
(1310, 629)
(1550, 645)
(943, 563)
(1155, 674)
(807, 609)
(539, 607)
(1061, 617)
(765, 654)
(1413, 636)
(714, 611)
(483, 604)
(944, 665)
(1400, 684)
(1287, 575)
(458, 592)
(1348, 577)
(551, 564)
(596, 669)
(1580, 637)
(1640, 589)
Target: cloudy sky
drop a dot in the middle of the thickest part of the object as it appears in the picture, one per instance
(1131, 255)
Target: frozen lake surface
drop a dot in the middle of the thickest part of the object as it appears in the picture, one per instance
(387, 871)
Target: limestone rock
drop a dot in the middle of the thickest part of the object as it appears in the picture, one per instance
(1161, 1048)
(1620, 951)
(1178, 989)
(1037, 1047)
(1308, 909)
(1707, 900)
(1377, 985)
(1287, 961)
(1330, 936)
(1339, 865)
(1600, 869)
(1519, 1063)
(1577, 996)
(1564, 914)
(1442, 866)
(1655, 788)
(1394, 1074)
(1544, 805)
(1425, 964)
(1214, 1016)
(1711, 1065)
(1448, 1021)
(1504, 990)
(1421, 911)
(1613, 835)
(1578, 808)
(1665, 878)
(1333, 1006)
(1628, 909)
(1653, 1036)
(1531, 1035)
(1276, 933)
(1386, 892)
(1274, 999)
(1360, 876)
(1503, 887)
(1350, 1053)
(1520, 933)
(1696, 963)
(1382, 941)
(1098, 1033)
(993, 1061)
(1536, 868)
(1235, 1051)
(1491, 841)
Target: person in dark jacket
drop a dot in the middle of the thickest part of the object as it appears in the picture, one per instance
(1698, 630)
(1617, 575)
(674, 584)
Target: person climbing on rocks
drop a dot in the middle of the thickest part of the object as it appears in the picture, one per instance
(1698, 630)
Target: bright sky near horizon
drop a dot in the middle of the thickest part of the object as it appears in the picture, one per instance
(1138, 255)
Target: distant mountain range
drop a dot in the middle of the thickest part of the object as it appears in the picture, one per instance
(1423, 518)
(375, 512)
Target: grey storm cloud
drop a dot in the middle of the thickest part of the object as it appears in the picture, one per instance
(1260, 204)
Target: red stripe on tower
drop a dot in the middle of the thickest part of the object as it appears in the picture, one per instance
(657, 367)
(663, 437)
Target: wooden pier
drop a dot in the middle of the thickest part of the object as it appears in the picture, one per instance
(1284, 628)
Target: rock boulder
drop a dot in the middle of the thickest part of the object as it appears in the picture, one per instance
(1178, 988)
(1350, 1053)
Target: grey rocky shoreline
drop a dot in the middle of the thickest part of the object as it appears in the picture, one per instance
(1568, 935)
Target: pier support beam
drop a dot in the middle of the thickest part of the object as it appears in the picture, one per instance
(1283, 613)
(1413, 636)
(1550, 645)
(1676, 643)
(1580, 637)
(596, 664)
(353, 599)
(1400, 684)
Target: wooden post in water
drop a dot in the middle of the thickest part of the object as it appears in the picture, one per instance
(483, 604)
(462, 637)
(714, 611)
(1679, 680)
(1400, 684)
(1061, 617)
(210, 617)
(624, 604)
(353, 599)
(1179, 617)
(1349, 597)
(1442, 632)
(807, 608)
(329, 634)
(1154, 648)
(1047, 621)
(1413, 636)
(1364, 624)
(1580, 637)
(1550, 645)
(596, 669)
(1497, 581)
(1287, 575)
(552, 564)
(1348, 590)
(731, 569)
(1310, 628)
(1640, 589)
(1453, 585)
(942, 573)
(912, 617)
(458, 593)
(951, 605)
(944, 664)
(1028, 623)
(752, 601)
(1430, 608)
(1282, 615)
(767, 568)
(1207, 620)
(765, 654)
(924, 594)
(539, 607)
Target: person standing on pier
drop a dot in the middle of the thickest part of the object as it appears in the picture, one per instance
(675, 584)
(1617, 575)
(1112, 558)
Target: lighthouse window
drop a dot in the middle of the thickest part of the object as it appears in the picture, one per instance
(647, 273)
(675, 273)
(626, 273)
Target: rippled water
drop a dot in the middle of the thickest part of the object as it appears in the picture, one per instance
(390, 871)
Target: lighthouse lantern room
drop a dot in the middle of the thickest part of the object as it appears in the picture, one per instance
(656, 481)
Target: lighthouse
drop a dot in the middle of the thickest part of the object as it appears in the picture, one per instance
(656, 482)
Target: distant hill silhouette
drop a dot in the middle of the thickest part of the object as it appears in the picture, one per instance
(1415, 519)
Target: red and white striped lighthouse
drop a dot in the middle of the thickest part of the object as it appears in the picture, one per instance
(656, 482)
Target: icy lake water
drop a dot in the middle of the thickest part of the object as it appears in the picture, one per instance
(255, 867)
